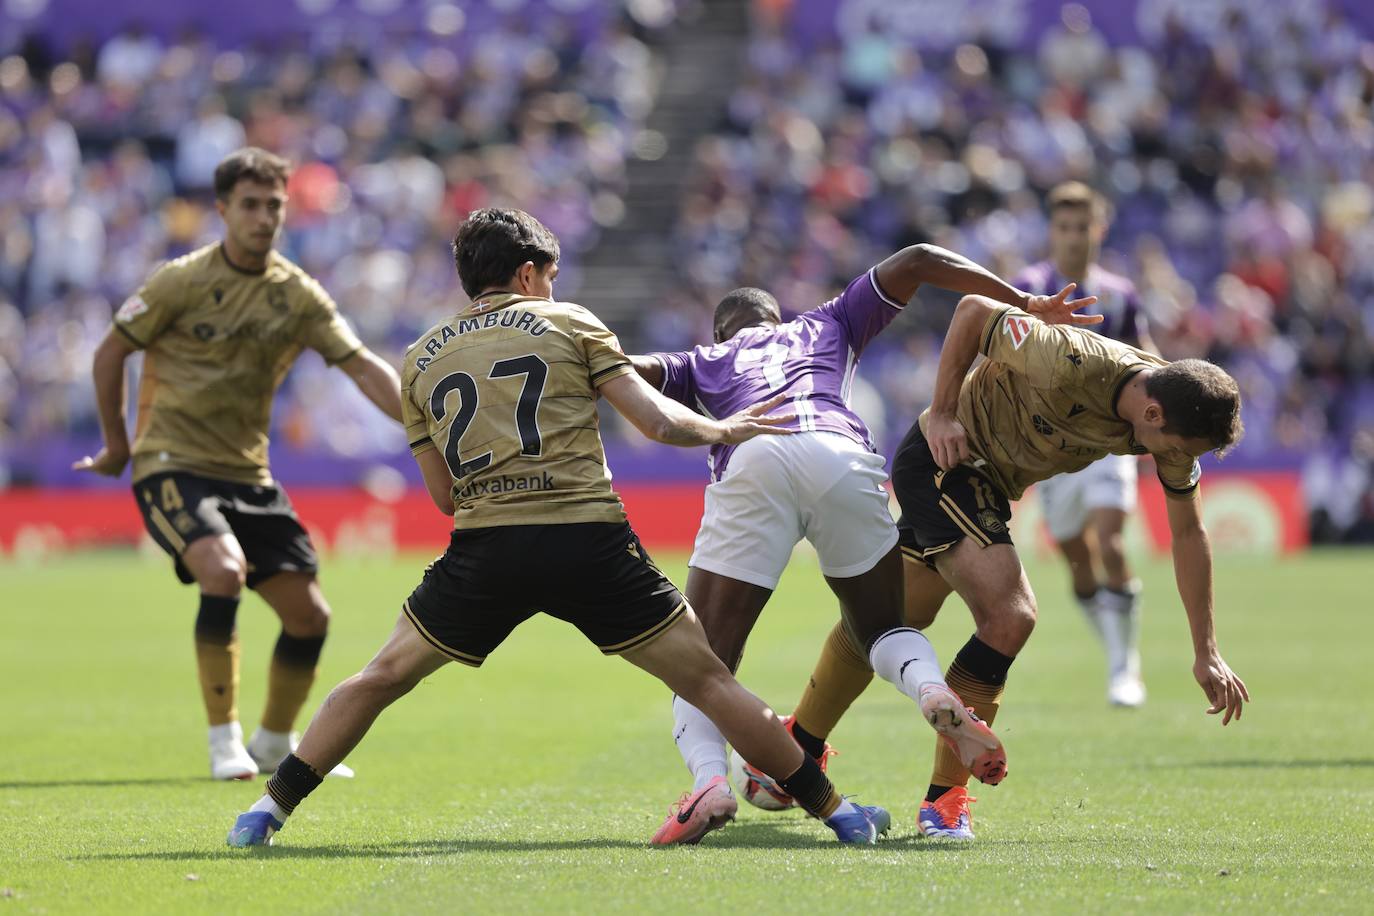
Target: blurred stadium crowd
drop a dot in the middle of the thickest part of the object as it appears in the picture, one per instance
(1241, 169)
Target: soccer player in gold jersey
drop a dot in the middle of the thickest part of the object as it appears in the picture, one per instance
(219, 329)
(1047, 399)
(500, 404)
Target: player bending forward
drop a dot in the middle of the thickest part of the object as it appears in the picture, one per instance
(220, 327)
(1045, 401)
(825, 484)
(1086, 510)
(500, 408)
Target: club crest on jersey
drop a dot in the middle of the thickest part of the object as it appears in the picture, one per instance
(990, 522)
(1018, 329)
(276, 298)
(131, 309)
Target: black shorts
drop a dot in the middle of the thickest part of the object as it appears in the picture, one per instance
(180, 508)
(594, 575)
(940, 508)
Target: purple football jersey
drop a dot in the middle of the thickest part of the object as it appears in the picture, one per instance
(1122, 318)
(811, 359)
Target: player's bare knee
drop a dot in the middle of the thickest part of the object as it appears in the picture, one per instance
(223, 575)
(705, 684)
(315, 622)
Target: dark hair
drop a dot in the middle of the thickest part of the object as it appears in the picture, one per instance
(1077, 195)
(249, 164)
(492, 244)
(1200, 401)
(743, 307)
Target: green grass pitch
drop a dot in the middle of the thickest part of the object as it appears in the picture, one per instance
(533, 784)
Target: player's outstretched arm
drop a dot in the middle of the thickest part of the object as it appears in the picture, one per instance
(1192, 553)
(902, 273)
(946, 435)
(107, 371)
(667, 421)
(377, 380)
(649, 369)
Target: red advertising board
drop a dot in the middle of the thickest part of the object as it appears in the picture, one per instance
(1245, 512)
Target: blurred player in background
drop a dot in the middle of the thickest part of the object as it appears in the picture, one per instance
(220, 327)
(824, 484)
(1086, 511)
(501, 412)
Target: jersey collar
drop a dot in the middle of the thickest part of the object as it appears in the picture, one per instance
(495, 301)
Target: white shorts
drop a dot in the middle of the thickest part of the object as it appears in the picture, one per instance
(1108, 483)
(777, 490)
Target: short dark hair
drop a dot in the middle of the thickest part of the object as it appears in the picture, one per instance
(493, 242)
(743, 307)
(1200, 401)
(1077, 195)
(249, 164)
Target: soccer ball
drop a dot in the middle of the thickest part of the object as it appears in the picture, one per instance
(760, 792)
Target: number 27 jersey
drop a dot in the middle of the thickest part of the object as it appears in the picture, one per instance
(506, 391)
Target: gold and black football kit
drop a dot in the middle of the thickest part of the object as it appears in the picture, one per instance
(506, 391)
(1042, 403)
(217, 342)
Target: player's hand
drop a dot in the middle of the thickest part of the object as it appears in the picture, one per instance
(751, 422)
(108, 463)
(1225, 690)
(948, 441)
(1059, 308)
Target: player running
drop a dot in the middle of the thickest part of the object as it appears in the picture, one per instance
(1098, 498)
(220, 327)
(1047, 400)
(824, 484)
(500, 408)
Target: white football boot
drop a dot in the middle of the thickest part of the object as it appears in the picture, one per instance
(269, 748)
(229, 759)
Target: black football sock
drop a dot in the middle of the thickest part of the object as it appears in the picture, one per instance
(813, 746)
(811, 789)
(293, 781)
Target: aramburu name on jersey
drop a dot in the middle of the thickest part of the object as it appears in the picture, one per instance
(520, 320)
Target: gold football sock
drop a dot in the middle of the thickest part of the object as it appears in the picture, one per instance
(978, 674)
(217, 657)
(841, 674)
(218, 666)
(294, 664)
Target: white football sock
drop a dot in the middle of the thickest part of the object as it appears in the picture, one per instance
(1125, 607)
(266, 804)
(1092, 610)
(846, 807)
(905, 658)
(700, 743)
(1116, 630)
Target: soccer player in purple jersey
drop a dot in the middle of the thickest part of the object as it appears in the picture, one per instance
(825, 484)
(1097, 499)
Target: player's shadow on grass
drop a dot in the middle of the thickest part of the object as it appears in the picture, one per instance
(751, 835)
(100, 783)
(1254, 763)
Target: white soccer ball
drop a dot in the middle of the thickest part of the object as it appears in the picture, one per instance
(760, 794)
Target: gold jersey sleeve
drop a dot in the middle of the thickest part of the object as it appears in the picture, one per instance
(507, 392)
(218, 341)
(1043, 403)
